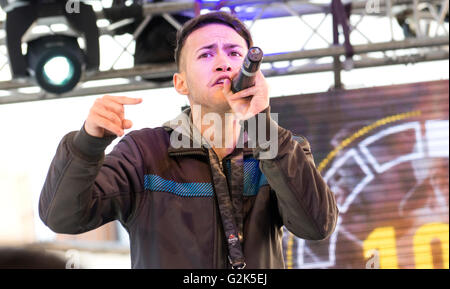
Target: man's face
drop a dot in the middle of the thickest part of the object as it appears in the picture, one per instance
(210, 53)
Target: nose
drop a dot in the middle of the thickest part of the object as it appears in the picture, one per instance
(222, 64)
(223, 67)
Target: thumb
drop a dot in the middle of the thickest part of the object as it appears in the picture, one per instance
(226, 86)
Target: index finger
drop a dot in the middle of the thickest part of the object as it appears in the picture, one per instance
(124, 99)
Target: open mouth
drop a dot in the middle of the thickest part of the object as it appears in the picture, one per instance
(221, 80)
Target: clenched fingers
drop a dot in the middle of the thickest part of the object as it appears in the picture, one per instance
(108, 125)
(107, 114)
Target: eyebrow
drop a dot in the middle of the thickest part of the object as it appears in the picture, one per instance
(226, 46)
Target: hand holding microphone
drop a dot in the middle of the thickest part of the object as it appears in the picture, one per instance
(246, 76)
(248, 92)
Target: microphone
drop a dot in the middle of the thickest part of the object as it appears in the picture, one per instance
(246, 76)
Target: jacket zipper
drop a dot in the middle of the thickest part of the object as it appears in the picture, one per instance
(215, 241)
(218, 232)
(226, 259)
(217, 254)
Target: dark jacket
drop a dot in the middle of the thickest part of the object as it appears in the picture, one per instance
(165, 197)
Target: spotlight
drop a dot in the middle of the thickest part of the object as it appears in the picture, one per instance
(56, 62)
(156, 41)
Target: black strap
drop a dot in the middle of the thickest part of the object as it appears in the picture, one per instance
(237, 189)
(226, 208)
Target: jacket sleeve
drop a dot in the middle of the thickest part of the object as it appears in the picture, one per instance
(85, 189)
(306, 204)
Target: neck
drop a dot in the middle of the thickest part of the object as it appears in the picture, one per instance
(220, 129)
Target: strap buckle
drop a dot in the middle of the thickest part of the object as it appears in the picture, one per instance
(240, 265)
(237, 265)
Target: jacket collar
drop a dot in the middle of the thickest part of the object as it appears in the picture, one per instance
(193, 142)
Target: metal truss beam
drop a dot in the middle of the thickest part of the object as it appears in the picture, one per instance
(143, 85)
(164, 70)
(148, 71)
(430, 48)
(303, 7)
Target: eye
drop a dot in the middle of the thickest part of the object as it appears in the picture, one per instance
(235, 53)
(205, 55)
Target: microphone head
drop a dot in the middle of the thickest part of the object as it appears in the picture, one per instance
(255, 54)
(253, 59)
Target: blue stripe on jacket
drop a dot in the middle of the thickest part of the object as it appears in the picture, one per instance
(253, 177)
(156, 183)
(253, 180)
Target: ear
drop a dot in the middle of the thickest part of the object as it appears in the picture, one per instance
(180, 84)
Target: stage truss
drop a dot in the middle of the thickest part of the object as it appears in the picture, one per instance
(431, 43)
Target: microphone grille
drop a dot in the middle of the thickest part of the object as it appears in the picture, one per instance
(255, 54)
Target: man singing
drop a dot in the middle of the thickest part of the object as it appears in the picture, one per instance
(217, 200)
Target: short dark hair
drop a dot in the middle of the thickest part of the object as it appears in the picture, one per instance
(218, 17)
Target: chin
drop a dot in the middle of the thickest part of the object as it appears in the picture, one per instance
(218, 103)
